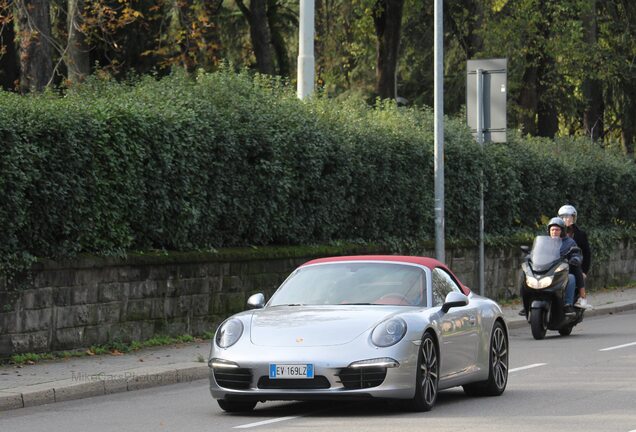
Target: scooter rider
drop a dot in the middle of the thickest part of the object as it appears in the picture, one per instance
(570, 251)
(568, 214)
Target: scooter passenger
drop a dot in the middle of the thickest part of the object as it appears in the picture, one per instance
(568, 214)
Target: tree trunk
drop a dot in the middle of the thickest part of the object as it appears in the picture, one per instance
(36, 65)
(387, 16)
(539, 114)
(260, 34)
(278, 40)
(475, 43)
(9, 68)
(628, 119)
(547, 113)
(528, 99)
(547, 118)
(594, 109)
(185, 13)
(134, 44)
(77, 59)
(211, 37)
(465, 30)
(623, 14)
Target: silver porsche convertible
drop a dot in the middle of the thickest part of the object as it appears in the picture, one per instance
(356, 327)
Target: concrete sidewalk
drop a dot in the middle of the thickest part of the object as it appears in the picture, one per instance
(81, 377)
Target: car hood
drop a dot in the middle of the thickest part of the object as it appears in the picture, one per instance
(307, 326)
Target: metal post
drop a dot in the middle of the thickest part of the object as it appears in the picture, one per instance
(305, 86)
(480, 139)
(438, 108)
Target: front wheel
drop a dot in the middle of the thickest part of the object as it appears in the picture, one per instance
(538, 323)
(426, 377)
(498, 366)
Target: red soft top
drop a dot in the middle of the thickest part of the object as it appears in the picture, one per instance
(423, 261)
(427, 262)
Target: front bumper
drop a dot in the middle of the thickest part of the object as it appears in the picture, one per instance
(334, 377)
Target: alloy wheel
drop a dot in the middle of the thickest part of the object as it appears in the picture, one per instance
(430, 371)
(499, 357)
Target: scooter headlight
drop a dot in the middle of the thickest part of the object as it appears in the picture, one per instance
(539, 283)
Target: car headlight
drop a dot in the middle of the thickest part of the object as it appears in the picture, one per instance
(539, 283)
(389, 332)
(229, 332)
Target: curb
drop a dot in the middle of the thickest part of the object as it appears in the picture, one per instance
(88, 385)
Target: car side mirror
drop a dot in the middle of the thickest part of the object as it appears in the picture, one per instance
(256, 301)
(454, 299)
(525, 249)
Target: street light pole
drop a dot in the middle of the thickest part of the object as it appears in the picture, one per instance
(305, 86)
(479, 110)
(438, 108)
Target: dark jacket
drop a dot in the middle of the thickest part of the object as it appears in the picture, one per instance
(580, 237)
(572, 252)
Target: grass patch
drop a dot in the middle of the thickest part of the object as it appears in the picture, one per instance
(30, 358)
(111, 348)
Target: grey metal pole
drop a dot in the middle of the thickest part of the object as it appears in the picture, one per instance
(480, 139)
(438, 107)
(305, 86)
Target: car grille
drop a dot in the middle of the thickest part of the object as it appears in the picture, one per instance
(362, 378)
(237, 379)
(318, 382)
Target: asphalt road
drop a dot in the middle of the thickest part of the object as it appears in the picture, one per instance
(584, 382)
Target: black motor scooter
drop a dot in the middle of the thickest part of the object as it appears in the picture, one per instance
(545, 277)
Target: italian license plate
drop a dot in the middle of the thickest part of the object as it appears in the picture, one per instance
(291, 371)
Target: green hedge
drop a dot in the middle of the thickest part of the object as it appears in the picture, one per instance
(232, 160)
(529, 179)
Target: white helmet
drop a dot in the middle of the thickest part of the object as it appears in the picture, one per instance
(568, 210)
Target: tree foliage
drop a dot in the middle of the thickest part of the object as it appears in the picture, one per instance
(571, 63)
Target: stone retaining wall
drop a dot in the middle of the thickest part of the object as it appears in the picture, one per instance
(93, 301)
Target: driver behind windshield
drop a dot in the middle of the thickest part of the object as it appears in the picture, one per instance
(572, 253)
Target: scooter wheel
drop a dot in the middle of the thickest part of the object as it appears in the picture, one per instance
(538, 323)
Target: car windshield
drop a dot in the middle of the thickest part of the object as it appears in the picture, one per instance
(353, 283)
(545, 251)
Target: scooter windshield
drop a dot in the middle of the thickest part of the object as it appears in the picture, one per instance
(545, 252)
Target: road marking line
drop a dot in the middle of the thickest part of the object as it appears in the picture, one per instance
(264, 422)
(527, 367)
(618, 347)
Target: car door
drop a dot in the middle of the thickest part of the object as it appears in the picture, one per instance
(459, 339)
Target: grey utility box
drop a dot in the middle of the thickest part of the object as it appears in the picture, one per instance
(489, 76)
